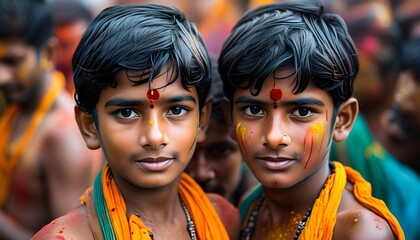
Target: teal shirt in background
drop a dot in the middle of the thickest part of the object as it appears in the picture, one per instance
(396, 184)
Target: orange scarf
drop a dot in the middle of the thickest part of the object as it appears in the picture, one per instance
(207, 223)
(329, 200)
(8, 162)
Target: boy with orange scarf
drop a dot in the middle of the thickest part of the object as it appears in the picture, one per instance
(288, 71)
(44, 165)
(142, 76)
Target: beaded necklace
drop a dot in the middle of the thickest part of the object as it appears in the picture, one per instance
(190, 222)
(247, 232)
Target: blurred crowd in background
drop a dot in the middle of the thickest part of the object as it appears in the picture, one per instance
(385, 145)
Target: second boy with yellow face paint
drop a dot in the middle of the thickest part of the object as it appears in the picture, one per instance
(288, 71)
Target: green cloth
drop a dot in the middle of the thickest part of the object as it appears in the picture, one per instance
(396, 184)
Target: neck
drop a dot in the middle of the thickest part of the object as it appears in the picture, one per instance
(299, 197)
(154, 205)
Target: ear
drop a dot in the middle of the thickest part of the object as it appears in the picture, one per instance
(87, 128)
(48, 52)
(346, 116)
(227, 113)
(205, 115)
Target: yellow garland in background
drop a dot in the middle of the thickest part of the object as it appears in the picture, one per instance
(7, 119)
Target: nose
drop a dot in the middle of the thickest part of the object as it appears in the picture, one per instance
(200, 169)
(274, 136)
(155, 136)
(6, 74)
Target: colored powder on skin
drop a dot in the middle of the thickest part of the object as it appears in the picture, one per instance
(241, 132)
(2, 49)
(314, 132)
(151, 122)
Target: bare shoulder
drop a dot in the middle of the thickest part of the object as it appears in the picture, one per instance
(73, 225)
(228, 213)
(361, 224)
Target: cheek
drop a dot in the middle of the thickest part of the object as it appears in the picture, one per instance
(245, 137)
(314, 141)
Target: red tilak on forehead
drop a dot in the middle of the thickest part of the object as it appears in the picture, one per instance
(152, 95)
(275, 95)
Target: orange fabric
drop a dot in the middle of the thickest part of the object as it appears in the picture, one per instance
(207, 223)
(363, 193)
(329, 200)
(8, 162)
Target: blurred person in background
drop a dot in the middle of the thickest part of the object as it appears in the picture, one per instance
(407, 14)
(378, 38)
(44, 164)
(215, 19)
(389, 178)
(71, 18)
(401, 125)
(217, 163)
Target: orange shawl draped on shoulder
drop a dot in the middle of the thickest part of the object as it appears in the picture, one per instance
(206, 220)
(329, 200)
(8, 162)
(321, 222)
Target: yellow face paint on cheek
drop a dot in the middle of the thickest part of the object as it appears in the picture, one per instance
(240, 134)
(314, 134)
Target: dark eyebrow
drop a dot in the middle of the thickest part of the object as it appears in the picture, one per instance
(304, 101)
(122, 102)
(248, 100)
(297, 102)
(181, 98)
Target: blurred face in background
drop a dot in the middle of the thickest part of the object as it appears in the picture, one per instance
(402, 121)
(21, 66)
(216, 164)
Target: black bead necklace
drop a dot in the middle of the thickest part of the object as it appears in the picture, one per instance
(247, 232)
(190, 222)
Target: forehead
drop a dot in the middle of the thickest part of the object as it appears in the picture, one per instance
(284, 80)
(127, 88)
(13, 47)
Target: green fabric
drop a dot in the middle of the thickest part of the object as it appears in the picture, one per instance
(248, 201)
(102, 210)
(396, 184)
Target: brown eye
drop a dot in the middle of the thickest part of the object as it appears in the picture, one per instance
(126, 113)
(253, 110)
(177, 111)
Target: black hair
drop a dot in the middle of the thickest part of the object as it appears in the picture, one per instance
(30, 20)
(69, 11)
(411, 58)
(294, 34)
(216, 92)
(144, 38)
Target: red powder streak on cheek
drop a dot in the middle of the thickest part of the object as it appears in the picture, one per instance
(326, 115)
(320, 146)
(58, 237)
(310, 151)
(243, 146)
(61, 230)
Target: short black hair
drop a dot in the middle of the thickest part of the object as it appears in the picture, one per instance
(69, 11)
(30, 20)
(411, 58)
(144, 38)
(291, 34)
